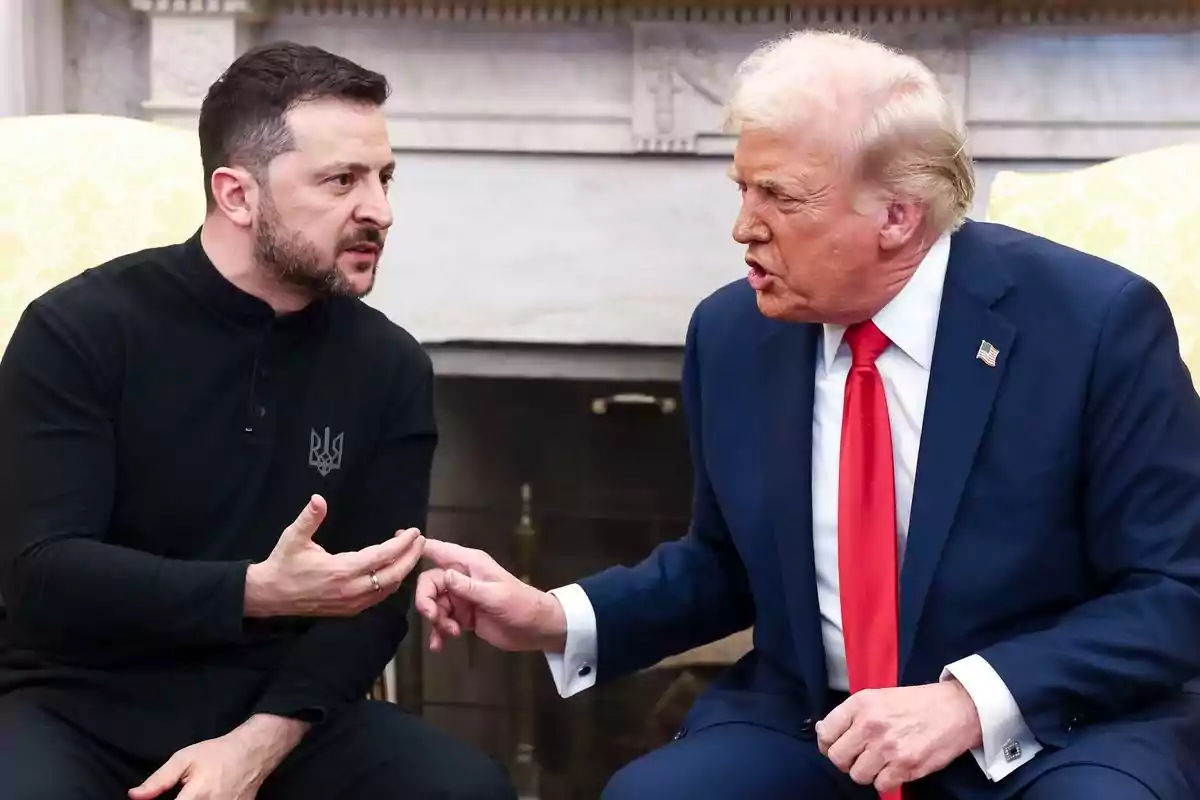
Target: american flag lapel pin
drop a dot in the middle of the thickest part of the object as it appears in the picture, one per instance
(987, 353)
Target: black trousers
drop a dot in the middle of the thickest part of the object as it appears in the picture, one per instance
(373, 751)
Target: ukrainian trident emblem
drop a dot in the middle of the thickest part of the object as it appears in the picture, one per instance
(324, 453)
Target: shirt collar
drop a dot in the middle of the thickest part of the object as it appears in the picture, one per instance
(910, 319)
(203, 277)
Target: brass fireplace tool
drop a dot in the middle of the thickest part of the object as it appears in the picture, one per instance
(526, 770)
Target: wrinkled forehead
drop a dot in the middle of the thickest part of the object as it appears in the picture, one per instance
(333, 131)
(782, 160)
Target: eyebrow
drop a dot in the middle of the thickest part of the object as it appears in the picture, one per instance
(355, 166)
(780, 183)
(773, 183)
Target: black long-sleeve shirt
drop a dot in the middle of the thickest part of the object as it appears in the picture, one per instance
(159, 428)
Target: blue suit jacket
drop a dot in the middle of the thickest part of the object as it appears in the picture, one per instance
(1055, 524)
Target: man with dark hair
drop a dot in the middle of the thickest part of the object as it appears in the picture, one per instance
(172, 624)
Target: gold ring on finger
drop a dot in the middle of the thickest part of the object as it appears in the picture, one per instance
(374, 582)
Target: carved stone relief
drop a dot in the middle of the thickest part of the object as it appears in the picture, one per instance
(683, 73)
(680, 84)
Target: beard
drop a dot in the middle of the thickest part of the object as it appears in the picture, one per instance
(289, 257)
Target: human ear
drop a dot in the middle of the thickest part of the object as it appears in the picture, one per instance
(903, 218)
(236, 194)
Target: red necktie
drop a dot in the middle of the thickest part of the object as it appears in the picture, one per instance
(867, 571)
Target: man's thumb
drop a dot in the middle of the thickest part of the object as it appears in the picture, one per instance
(310, 518)
(480, 593)
(167, 776)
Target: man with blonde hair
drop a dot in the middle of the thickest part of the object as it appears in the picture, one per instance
(950, 472)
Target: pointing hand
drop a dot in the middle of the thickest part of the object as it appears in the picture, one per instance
(468, 590)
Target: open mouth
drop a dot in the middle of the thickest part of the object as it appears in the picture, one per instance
(756, 269)
(758, 277)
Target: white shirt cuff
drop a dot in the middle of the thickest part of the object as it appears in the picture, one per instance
(1007, 741)
(574, 670)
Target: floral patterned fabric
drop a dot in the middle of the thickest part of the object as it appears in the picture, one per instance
(1141, 211)
(82, 189)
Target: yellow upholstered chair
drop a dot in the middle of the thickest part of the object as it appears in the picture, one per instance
(1141, 211)
(83, 189)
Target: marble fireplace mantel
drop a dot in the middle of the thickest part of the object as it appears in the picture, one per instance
(690, 9)
(1035, 79)
(563, 206)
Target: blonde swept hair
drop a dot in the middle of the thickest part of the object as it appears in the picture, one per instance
(881, 111)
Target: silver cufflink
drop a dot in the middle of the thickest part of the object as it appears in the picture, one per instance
(1012, 750)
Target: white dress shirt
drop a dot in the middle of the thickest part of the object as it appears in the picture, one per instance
(910, 322)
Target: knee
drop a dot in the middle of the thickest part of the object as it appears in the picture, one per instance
(1088, 782)
(467, 775)
(634, 781)
(406, 757)
(483, 779)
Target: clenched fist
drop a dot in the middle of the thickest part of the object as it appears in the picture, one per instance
(889, 737)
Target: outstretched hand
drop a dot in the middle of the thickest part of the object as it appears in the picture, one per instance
(300, 578)
(468, 590)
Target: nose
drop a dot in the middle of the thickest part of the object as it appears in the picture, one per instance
(374, 208)
(748, 228)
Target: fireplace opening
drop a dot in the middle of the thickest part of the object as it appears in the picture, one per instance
(556, 479)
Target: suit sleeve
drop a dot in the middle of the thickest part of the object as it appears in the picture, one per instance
(688, 592)
(1135, 640)
(338, 659)
(64, 587)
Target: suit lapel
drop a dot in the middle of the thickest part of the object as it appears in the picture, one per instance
(785, 370)
(962, 389)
